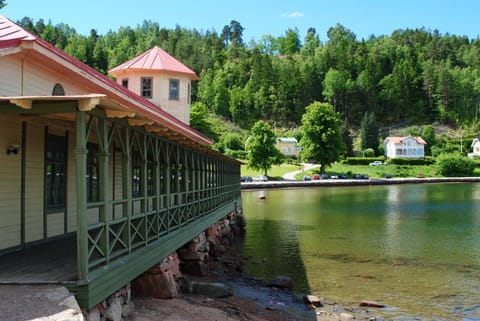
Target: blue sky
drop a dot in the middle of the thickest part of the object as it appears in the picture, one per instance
(260, 17)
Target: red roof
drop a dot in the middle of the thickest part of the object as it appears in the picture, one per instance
(11, 35)
(154, 59)
(399, 140)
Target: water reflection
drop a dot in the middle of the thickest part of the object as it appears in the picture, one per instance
(400, 244)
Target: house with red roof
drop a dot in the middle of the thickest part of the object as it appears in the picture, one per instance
(160, 78)
(100, 180)
(404, 147)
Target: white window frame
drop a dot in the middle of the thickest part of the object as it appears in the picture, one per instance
(146, 87)
(174, 92)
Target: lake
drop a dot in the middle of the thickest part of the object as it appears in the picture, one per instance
(415, 248)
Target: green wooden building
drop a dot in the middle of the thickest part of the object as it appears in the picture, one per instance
(98, 183)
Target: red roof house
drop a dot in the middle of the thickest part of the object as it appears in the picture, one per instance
(160, 78)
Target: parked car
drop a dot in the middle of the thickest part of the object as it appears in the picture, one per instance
(246, 179)
(316, 176)
(306, 177)
(260, 178)
(376, 163)
(388, 175)
(334, 177)
(343, 176)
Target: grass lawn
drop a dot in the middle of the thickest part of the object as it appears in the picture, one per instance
(398, 171)
(275, 173)
(377, 171)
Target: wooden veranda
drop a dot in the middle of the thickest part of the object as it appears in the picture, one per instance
(142, 191)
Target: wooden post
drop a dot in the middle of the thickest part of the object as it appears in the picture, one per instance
(127, 185)
(81, 182)
(104, 191)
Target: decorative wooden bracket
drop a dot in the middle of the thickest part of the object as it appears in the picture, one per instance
(155, 129)
(139, 122)
(110, 113)
(88, 104)
(22, 103)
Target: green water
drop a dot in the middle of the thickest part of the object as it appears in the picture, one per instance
(415, 248)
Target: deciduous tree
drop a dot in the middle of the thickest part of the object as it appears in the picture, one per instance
(321, 135)
(260, 147)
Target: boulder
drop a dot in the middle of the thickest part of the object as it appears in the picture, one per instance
(281, 282)
(160, 286)
(372, 304)
(216, 290)
(312, 300)
(114, 310)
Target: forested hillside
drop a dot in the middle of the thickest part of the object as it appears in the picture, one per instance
(410, 77)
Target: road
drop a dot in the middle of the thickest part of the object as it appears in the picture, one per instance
(305, 167)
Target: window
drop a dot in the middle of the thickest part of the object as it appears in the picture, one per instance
(146, 89)
(189, 93)
(125, 82)
(174, 88)
(58, 90)
(92, 173)
(137, 175)
(55, 172)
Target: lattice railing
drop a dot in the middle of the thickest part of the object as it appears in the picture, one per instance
(111, 240)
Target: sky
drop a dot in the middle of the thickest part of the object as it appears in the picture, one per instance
(258, 17)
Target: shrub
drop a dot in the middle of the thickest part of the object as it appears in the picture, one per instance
(238, 154)
(362, 160)
(369, 152)
(411, 161)
(455, 165)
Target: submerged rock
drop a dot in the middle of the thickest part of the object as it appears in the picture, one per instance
(281, 282)
(372, 304)
(217, 290)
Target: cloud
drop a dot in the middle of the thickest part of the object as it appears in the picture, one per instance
(293, 15)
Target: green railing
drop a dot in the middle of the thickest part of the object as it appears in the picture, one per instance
(113, 239)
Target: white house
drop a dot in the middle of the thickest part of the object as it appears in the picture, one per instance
(476, 147)
(406, 147)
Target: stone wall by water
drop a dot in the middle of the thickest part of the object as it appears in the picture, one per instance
(166, 279)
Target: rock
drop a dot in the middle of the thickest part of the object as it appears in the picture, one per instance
(94, 314)
(71, 303)
(346, 317)
(241, 221)
(197, 268)
(217, 290)
(128, 309)
(313, 300)
(372, 304)
(281, 282)
(114, 310)
(160, 286)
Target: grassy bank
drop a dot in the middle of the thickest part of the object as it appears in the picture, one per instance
(398, 171)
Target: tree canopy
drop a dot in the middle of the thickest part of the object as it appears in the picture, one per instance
(260, 148)
(321, 135)
(413, 76)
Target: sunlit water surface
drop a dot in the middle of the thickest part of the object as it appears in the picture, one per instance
(415, 248)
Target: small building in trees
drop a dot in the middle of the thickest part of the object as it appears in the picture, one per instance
(160, 78)
(475, 147)
(288, 146)
(404, 147)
